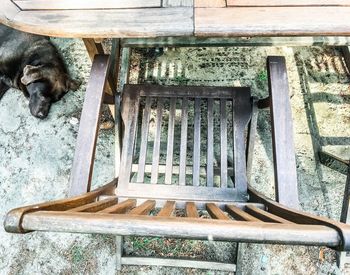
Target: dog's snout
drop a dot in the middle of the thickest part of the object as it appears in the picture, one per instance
(41, 115)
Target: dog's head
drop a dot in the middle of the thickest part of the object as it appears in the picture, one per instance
(46, 84)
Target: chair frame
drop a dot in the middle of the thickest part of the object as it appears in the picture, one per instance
(277, 221)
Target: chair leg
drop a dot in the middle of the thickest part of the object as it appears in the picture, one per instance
(251, 138)
(119, 254)
(343, 258)
(238, 259)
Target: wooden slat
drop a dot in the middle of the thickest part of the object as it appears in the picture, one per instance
(95, 206)
(252, 131)
(274, 21)
(183, 144)
(264, 216)
(236, 41)
(144, 208)
(177, 3)
(223, 143)
(130, 110)
(215, 212)
(210, 144)
(179, 192)
(167, 210)
(282, 133)
(287, 3)
(144, 140)
(210, 3)
(81, 175)
(242, 107)
(120, 208)
(239, 214)
(191, 210)
(199, 92)
(85, 4)
(108, 23)
(156, 146)
(196, 141)
(219, 230)
(179, 263)
(170, 144)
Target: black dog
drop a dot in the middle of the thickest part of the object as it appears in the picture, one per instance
(32, 64)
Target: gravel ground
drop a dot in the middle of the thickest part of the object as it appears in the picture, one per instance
(36, 158)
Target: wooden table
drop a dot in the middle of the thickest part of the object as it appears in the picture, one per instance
(155, 18)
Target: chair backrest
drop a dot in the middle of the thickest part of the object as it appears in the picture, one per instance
(184, 142)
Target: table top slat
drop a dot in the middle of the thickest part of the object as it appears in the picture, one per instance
(85, 4)
(120, 23)
(287, 3)
(272, 21)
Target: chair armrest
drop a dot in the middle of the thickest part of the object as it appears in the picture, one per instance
(80, 179)
(282, 133)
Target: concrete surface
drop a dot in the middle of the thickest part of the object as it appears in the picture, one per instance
(36, 157)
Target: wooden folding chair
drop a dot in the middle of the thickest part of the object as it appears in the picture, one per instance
(195, 190)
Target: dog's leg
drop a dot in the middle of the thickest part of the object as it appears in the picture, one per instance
(5, 84)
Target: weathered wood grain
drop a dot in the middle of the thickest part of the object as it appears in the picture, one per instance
(210, 3)
(80, 179)
(187, 228)
(119, 23)
(286, 183)
(168, 209)
(273, 21)
(215, 212)
(177, 3)
(85, 4)
(191, 210)
(95, 206)
(144, 208)
(179, 263)
(239, 214)
(120, 207)
(287, 3)
(264, 215)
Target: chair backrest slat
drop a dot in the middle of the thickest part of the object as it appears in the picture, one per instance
(210, 144)
(144, 140)
(170, 143)
(196, 141)
(183, 144)
(223, 143)
(156, 144)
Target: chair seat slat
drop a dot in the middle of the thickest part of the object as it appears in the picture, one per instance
(120, 208)
(265, 216)
(95, 206)
(215, 212)
(144, 208)
(239, 214)
(191, 210)
(167, 210)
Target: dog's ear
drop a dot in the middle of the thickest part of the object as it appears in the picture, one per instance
(71, 84)
(31, 74)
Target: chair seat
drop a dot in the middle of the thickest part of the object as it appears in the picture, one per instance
(261, 220)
